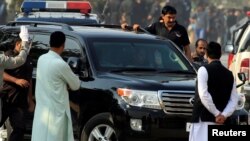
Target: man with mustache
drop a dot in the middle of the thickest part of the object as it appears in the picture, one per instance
(168, 27)
(198, 56)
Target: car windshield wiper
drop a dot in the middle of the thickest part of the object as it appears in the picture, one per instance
(134, 70)
(177, 71)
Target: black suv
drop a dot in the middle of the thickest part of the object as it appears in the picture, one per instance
(134, 85)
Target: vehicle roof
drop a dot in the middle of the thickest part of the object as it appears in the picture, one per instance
(87, 31)
(97, 32)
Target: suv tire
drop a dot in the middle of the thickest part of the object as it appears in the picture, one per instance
(100, 123)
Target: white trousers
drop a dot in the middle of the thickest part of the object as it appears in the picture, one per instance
(199, 131)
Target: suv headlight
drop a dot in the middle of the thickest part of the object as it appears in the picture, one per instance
(241, 101)
(148, 99)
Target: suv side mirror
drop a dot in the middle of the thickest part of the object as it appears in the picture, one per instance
(242, 77)
(74, 64)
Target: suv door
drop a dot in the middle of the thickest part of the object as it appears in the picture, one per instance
(40, 45)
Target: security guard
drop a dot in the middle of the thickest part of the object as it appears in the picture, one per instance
(168, 27)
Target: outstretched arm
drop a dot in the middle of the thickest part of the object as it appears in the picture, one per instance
(12, 79)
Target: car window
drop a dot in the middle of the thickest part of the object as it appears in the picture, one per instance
(247, 45)
(237, 35)
(245, 40)
(40, 45)
(115, 54)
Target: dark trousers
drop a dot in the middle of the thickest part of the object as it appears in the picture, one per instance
(17, 120)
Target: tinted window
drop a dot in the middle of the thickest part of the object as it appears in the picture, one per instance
(115, 54)
(40, 45)
(246, 40)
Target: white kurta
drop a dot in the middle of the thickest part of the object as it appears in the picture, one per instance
(52, 119)
(199, 131)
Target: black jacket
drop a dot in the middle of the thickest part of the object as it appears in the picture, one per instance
(220, 84)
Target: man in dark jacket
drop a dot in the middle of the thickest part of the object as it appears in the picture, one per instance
(216, 97)
(169, 28)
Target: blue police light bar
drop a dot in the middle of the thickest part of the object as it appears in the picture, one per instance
(56, 6)
(33, 6)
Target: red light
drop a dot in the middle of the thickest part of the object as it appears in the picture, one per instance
(245, 63)
(244, 67)
(248, 13)
(83, 7)
(230, 59)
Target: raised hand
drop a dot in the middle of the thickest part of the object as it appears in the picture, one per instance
(24, 34)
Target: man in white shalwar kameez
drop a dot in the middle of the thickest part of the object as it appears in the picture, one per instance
(216, 97)
(52, 119)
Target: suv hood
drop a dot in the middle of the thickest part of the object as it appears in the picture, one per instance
(152, 81)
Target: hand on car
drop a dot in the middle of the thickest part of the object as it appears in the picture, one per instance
(135, 26)
(124, 26)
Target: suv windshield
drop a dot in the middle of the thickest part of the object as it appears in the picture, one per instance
(137, 55)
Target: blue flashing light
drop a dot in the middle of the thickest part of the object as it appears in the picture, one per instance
(33, 6)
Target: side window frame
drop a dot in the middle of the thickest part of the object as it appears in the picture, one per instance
(43, 40)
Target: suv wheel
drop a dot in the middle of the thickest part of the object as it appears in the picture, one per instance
(99, 128)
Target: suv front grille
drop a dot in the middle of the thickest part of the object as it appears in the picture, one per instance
(177, 102)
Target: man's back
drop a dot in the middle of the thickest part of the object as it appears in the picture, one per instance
(49, 65)
(220, 83)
